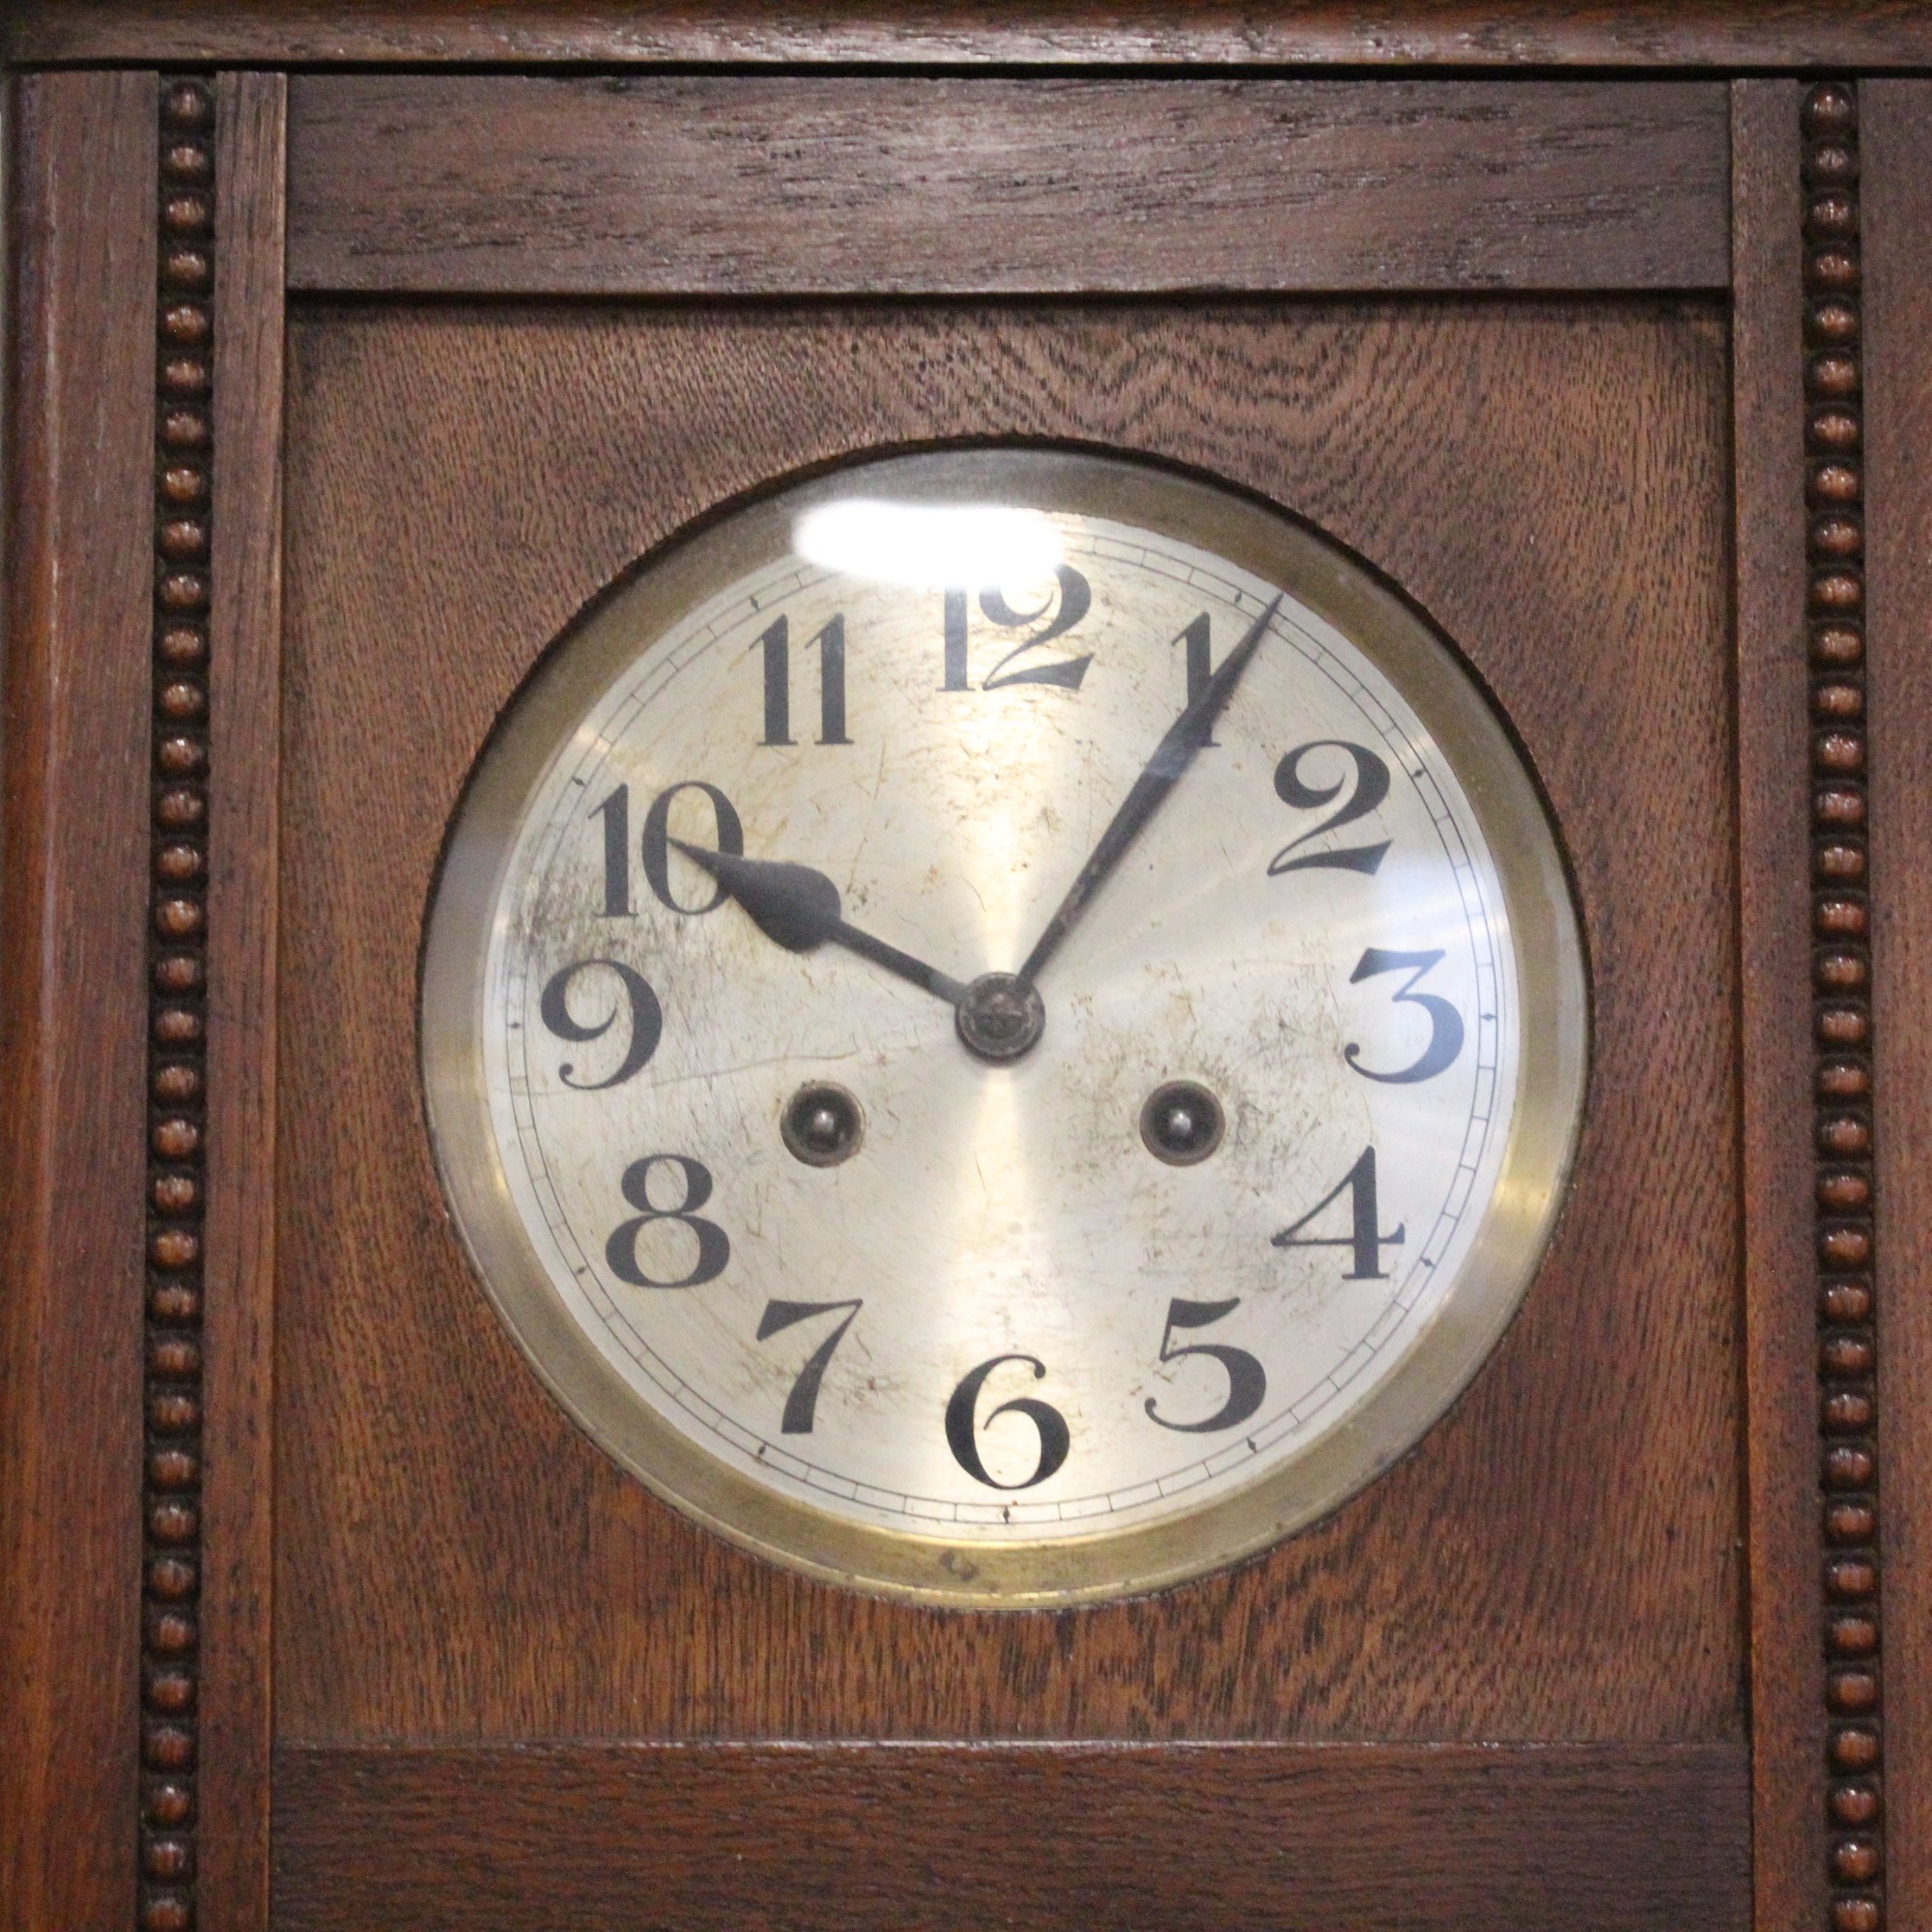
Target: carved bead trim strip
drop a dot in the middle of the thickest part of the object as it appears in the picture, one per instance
(1841, 981)
(183, 436)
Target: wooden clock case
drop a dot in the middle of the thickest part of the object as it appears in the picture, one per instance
(353, 349)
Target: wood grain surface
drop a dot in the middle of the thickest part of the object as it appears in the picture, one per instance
(1773, 897)
(244, 657)
(1745, 33)
(1560, 1558)
(1896, 140)
(504, 183)
(73, 905)
(882, 1838)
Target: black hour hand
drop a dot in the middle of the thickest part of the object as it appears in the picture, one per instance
(792, 904)
(799, 908)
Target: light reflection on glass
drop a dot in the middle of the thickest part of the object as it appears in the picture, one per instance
(928, 547)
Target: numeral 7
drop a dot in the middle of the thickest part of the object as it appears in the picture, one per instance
(802, 1403)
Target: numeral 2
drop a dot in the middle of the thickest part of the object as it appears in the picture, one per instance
(802, 1403)
(1371, 787)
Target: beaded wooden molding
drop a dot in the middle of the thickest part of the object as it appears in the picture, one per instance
(177, 1020)
(1841, 968)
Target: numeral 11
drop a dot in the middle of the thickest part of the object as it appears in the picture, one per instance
(776, 644)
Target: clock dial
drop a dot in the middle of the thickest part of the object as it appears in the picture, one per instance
(1003, 1026)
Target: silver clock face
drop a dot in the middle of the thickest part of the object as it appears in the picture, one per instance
(1003, 1026)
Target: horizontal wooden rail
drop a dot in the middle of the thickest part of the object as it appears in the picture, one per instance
(1473, 33)
(843, 185)
(594, 1838)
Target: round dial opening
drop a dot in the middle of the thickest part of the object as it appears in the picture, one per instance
(1003, 1026)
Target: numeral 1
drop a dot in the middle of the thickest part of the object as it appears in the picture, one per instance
(615, 813)
(1199, 662)
(776, 644)
(956, 641)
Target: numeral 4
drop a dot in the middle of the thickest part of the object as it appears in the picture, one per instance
(1363, 1242)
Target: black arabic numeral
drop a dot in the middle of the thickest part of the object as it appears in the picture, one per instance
(802, 1403)
(1199, 663)
(1445, 1023)
(647, 1020)
(1370, 786)
(1074, 598)
(956, 641)
(775, 642)
(1055, 1440)
(714, 1245)
(615, 813)
(1070, 599)
(1247, 1379)
(830, 642)
(657, 843)
(1363, 1242)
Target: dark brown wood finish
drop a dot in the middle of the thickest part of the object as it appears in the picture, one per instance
(1896, 142)
(73, 949)
(243, 684)
(1102, 1838)
(462, 480)
(1773, 795)
(1721, 34)
(506, 185)
(1840, 927)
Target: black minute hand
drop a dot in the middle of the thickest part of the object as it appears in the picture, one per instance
(799, 909)
(1171, 757)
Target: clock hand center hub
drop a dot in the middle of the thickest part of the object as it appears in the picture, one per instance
(1000, 1017)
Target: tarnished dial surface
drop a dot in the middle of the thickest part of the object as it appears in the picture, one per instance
(905, 1221)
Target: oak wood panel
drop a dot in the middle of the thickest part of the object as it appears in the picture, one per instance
(245, 656)
(1561, 1557)
(506, 184)
(73, 901)
(1743, 34)
(1774, 841)
(1896, 142)
(1090, 1839)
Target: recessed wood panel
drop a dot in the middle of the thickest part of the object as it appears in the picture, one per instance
(903, 1838)
(505, 184)
(1560, 1559)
